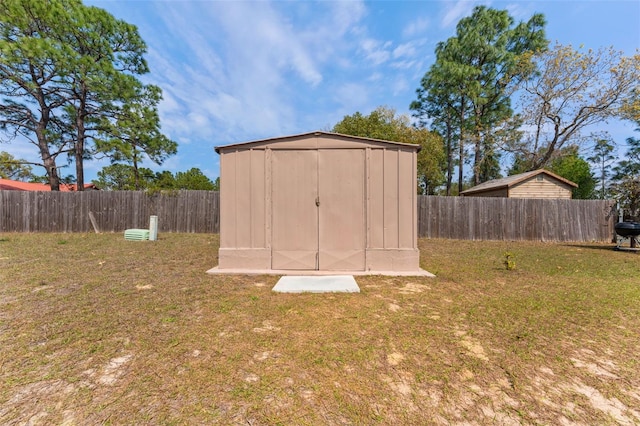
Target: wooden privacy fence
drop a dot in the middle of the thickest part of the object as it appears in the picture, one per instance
(464, 218)
(110, 211)
(484, 218)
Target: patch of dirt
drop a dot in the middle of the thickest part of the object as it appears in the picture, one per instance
(307, 394)
(473, 346)
(5, 300)
(114, 370)
(412, 288)
(263, 356)
(251, 378)
(144, 287)
(595, 369)
(28, 401)
(395, 358)
(612, 407)
(402, 386)
(266, 327)
(393, 307)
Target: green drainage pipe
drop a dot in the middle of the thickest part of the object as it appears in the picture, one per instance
(136, 234)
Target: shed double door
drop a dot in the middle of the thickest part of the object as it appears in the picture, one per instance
(318, 209)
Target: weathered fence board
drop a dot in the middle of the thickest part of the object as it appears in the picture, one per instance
(484, 218)
(463, 218)
(113, 211)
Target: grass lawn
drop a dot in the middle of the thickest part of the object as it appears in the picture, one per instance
(98, 330)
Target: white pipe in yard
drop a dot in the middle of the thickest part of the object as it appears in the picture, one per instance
(153, 228)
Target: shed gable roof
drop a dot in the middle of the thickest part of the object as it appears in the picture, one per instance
(317, 134)
(511, 181)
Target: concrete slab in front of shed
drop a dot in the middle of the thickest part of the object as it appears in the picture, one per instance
(317, 284)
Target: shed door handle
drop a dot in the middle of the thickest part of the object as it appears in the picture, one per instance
(318, 201)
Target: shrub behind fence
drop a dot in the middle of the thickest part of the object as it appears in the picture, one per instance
(468, 218)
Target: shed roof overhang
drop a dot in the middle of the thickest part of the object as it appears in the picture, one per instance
(318, 134)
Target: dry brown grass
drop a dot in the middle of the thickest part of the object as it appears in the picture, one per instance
(98, 330)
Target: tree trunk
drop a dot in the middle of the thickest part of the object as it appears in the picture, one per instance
(41, 124)
(52, 173)
(477, 159)
(136, 173)
(79, 149)
(461, 147)
(48, 160)
(449, 156)
(81, 115)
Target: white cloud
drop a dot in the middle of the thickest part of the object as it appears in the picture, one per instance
(346, 14)
(168, 104)
(266, 40)
(455, 11)
(405, 50)
(519, 11)
(376, 51)
(416, 27)
(376, 76)
(224, 75)
(404, 65)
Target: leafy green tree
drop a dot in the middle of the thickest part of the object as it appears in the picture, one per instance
(470, 84)
(576, 169)
(14, 169)
(135, 133)
(440, 107)
(67, 75)
(216, 184)
(107, 54)
(625, 185)
(193, 179)
(571, 91)
(164, 180)
(383, 123)
(603, 158)
(121, 177)
(630, 109)
(32, 77)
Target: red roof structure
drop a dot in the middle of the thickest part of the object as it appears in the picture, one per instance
(14, 185)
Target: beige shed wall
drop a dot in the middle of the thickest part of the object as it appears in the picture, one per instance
(388, 207)
(392, 221)
(243, 212)
(544, 188)
(503, 192)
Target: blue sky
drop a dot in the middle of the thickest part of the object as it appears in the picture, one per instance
(234, 71)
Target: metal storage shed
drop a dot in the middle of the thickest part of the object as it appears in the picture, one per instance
(318, 202)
